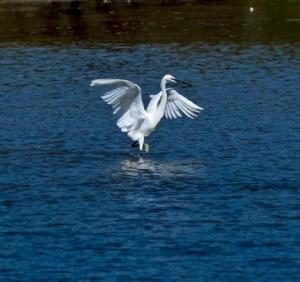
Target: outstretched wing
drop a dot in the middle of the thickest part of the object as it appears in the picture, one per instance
(178, 105)
(126, 100)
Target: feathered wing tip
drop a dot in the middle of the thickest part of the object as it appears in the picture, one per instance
(178, 105)
(107, 81)
(93, 83)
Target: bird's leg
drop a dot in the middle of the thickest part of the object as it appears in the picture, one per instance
(135, 144)
(141, 143)
(146, 148)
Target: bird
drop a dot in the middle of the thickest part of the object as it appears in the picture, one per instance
(133, 118)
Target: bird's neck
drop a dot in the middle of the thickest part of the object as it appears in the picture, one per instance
(162, 104)
(163, 90)
(163, 86)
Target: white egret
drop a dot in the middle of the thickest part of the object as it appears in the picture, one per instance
(133, 118)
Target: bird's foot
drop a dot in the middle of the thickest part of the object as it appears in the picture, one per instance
(146, 148)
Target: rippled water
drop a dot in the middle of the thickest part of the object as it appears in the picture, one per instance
(216, 199)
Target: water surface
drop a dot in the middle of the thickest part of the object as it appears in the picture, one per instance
(217, 198)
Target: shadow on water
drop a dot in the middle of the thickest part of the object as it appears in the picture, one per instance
(211, 21)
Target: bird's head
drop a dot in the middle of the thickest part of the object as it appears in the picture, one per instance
(171, 78)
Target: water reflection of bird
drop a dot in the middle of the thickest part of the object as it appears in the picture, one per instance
(126, 100)
(162, 168)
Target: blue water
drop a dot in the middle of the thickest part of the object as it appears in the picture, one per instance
(217, 198)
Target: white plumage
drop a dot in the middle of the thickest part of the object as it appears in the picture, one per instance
(127, 103)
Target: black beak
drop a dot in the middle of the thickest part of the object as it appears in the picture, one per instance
(182, 82)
